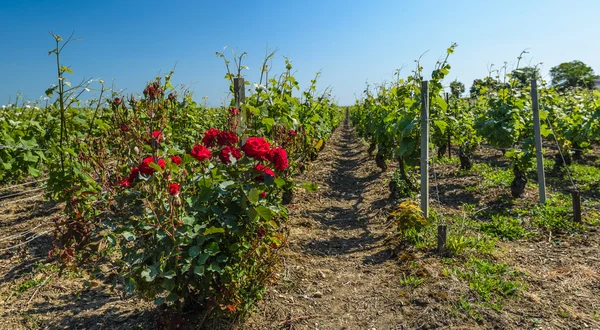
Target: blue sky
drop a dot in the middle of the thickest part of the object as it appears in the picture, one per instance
(351, 42)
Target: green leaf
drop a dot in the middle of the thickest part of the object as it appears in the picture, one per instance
(199, 271)
(264, 212)
(253, 196)
(441, 125)
(128, 236)
(268, 122)
(203, 257)
(279, 182)
(159, 301)
(129, 285)
(188, 220)
(33, 171)
(212, 248)
(214, 230)
(172, 297)
(194, 251)
(149, 274)
(170, 274)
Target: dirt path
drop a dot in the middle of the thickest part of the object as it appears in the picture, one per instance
(338, 270)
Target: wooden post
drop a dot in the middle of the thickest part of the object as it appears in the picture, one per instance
(425, 148)
(239, 93)
(441, 239)
(449, 131)
(576, 206)
(538, 141)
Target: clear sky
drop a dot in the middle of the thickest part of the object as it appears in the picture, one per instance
(130, 42)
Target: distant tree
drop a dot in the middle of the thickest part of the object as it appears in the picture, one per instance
(457, 88)
(487, 84)
(523, 76)
(572, 74)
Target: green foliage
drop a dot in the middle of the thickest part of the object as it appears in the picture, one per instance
(492, 282)
(504, 227)
(572, 74)
(389, 114)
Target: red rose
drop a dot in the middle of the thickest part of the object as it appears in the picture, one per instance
(235, 111)
(261, 232)
(126, 183)
(176, 159)
(278, 156)
(156, 135)
(174, 189)
(145, 165)
(227, 152)
(134, 173)
(200, 152)
(292, 133)
(227, 138)
(210, 136)
(117, 101)
(263, 194)
(257, 148)
(264, 170)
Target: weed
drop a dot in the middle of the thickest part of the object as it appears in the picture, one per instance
(412, 281)
(491, 282)
(504, 227)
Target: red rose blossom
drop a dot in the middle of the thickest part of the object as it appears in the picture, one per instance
(176, 159)
(126, 183)
(210, 136)
(278, 156)
(257, 148)
(227, 152)
(263, 194)
(117, 101)
(156, 135)
(200, 152)
(264, 170)
(227, 138)
(145, 165)
(174, 189)
(292, 133)
(234, 111)
(261, 232)
(134, 173)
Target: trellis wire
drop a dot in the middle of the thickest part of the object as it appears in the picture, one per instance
(20, 200)
(22, 184)
(20, 193)
(27, 241)
(20, 234)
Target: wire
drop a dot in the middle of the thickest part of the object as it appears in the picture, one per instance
(23, 184)
(20, 193)
(21, 200)
(27, 241)
(21, 234)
